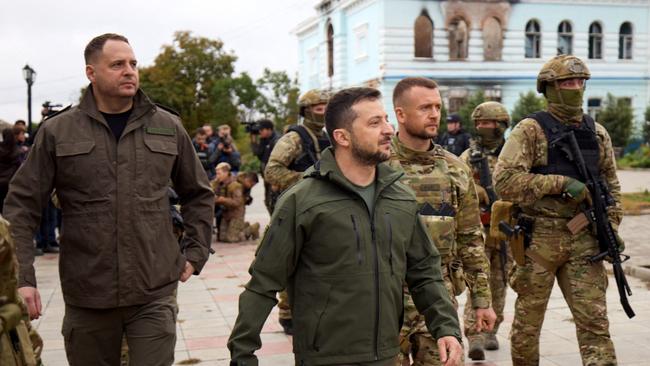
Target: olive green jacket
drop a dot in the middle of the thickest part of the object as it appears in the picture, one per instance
(344, 271)
(118, 247)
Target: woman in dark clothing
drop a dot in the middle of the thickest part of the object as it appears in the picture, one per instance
(9, 162)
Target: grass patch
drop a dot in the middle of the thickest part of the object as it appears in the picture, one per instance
(635, 203)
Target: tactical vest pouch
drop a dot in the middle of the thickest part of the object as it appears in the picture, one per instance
(10, 316)
(501, 211)
(457, 276)
(442, 231)
(16, 347)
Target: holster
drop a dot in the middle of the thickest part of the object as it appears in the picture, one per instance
(521, 240)
(501, 211)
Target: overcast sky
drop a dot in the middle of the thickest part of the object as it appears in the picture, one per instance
(51, 35)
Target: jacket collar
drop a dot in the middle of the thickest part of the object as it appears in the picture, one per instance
(141, 105)
(327, 169)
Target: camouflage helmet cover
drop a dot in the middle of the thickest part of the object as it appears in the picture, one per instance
(313, 97)
(492, 111)
(561, 67)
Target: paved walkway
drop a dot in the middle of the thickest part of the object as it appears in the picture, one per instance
(208, 309)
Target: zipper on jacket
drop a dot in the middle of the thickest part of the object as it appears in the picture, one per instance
(390, 241)
(356, 234)
(376, 255)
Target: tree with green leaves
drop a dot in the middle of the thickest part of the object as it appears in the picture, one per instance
(526, 104)
(618, 118)
(646, 126)
(280, 102)
(465, 112)
(189, 76)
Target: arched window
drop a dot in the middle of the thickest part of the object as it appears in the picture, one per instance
(330, 50)
(533, 40)
(423, 31)
(564, 39)
(625, 42)
(458, 39)
(595, 41)
(492, 39)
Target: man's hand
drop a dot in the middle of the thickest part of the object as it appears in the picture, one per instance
(33, 300)
(450, 351)
(485, 319)
(188, 271)
(576, 190)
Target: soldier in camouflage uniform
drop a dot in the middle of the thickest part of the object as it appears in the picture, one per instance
(295, 151)
(448, 207)
(490, 120)
(547, 188)
(229, 193)
(20, 344)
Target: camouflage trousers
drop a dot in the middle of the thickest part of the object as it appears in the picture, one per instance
(233, 230)
(415, 339)
(555, 253)
(498, 287)
(283, 305)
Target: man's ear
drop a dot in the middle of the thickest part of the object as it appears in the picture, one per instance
(400, 115)
(342, 137)
(90, 73)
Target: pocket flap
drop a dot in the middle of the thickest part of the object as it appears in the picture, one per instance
(162, 146)
(74, 148)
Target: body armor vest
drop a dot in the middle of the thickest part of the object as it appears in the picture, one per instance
(557, 161)
(310, 152)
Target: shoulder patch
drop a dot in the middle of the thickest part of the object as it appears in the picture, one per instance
(165, 131)
(168, 109)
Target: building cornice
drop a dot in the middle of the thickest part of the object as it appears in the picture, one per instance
(306, 26)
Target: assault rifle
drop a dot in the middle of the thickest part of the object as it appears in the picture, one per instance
(478, 160)
(597, 217)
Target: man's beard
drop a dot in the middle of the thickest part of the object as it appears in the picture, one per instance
(420, 133)
(366, 157)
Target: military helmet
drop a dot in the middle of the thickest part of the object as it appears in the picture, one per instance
(313, 97)
(493, 111)
(561, 67)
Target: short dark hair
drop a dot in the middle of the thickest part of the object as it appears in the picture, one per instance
(249, 175)
(199, 131)
(339, 113)
(266, 123)
(21, 122)
(96, 45)
(406, 84)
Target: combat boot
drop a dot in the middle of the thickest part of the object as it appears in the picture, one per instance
(255, 231)
(476, 351)
(287, 326)
(491, 342)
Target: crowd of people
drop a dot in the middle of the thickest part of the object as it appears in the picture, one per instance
(373, 235)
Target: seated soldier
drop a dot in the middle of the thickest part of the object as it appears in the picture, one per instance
(229, 195)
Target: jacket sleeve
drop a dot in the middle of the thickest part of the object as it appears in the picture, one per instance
(277, 171)
(526, 147)
(471, 247)
(197, 201)
(29, 192)
(608, 175)
(424, 280)
(275, 261)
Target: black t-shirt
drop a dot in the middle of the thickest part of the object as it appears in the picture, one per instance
(117, 122)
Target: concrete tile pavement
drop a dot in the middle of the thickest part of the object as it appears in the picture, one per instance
(208, 309)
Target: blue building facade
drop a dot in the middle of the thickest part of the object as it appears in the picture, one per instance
(496, 46)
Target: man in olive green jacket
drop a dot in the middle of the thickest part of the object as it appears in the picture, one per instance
(342, 241)
(111, 160)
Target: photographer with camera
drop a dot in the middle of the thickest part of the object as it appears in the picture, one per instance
(263, 139)
(226, 149)
(207, 153)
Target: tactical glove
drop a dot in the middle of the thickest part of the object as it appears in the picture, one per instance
(575, 190)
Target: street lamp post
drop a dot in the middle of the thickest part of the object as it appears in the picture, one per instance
(30, 75)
